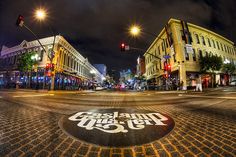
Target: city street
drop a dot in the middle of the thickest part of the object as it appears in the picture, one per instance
(204, 124)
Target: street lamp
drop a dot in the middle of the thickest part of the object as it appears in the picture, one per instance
(135, 30)
(40, 14)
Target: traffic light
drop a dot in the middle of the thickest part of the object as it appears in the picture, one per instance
(52, 66)
(169, 68)
(122, 47)
(165, 66)
(47, 66)
(20, 21)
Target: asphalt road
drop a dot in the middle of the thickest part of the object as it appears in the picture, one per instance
(205, 123)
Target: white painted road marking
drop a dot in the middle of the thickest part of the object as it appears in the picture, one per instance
(38, 95)
(205, 96)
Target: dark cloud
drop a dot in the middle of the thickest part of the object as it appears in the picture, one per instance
(97, 27)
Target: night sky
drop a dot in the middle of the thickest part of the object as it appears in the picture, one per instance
(97, 27)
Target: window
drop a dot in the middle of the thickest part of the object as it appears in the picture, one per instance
(197, 39)
(217, 45)
(159, 50)
(214, 45)
(166, 43)
(68, 62)
(186, 54)
(174, 57)
(64, 62)
(203, 41)
(163, 46)
(209, 42)
(221, 47)
(194, 55)
(200, 53)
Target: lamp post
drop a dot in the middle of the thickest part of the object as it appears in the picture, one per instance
(41, 14)
(35, 59)
(136, 30)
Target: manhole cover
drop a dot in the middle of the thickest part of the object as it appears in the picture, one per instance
(117, 127)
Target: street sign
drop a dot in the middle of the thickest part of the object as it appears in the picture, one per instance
(117, 127)
(189, 48)
(127, 48)
(166, 56)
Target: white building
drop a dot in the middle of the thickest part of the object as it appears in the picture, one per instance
(71, 68)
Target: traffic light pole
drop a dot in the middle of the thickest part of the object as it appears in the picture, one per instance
(48, 55)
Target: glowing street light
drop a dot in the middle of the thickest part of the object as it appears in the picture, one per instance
(40, 14)
(135, 30)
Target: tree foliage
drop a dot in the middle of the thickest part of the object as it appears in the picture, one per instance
(229, 68)
(210, 63)
(25, 62)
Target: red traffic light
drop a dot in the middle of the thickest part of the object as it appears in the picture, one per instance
(20, 21)
(122, 47)
(169, 67)
(47, 66)
(50, 66)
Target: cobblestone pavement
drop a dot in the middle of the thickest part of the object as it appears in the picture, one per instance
(204, 127)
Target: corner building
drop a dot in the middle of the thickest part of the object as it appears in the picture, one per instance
(181, 44)
(72, 70)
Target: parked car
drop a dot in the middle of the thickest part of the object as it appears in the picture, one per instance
(232, 83)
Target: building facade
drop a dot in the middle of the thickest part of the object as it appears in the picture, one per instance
(126, 75)
(71, 69)
(140, 68)
(180, 44)
(102, 68)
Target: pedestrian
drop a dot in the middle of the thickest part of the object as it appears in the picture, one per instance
(199, 84)
(180, 85)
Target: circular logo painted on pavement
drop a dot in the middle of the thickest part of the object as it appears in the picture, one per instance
(117, 127)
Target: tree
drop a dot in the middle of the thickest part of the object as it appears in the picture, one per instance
(210, 64)
(229, 68)
(25, 64)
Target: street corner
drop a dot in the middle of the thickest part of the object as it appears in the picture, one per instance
(117, 127)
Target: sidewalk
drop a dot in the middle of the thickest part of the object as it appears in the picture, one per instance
(46, 91)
